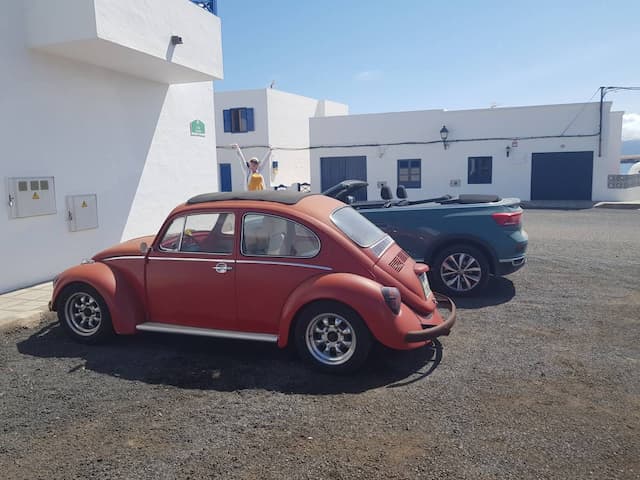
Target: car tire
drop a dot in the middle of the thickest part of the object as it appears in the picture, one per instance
(332, 337)
(460, 271)
(84, 314)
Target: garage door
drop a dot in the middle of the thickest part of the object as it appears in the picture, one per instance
(561, 176)
(336, 169)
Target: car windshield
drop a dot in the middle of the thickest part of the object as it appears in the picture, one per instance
(357, 227)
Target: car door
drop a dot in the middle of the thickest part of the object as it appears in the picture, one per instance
(277, 254)
(190, 273)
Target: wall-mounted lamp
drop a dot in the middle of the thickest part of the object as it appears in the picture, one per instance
(444, 134)
(508, 150)
(176, 40)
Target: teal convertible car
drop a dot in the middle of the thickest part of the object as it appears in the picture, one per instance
(464, 239)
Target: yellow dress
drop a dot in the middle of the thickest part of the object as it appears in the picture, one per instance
(256, 182)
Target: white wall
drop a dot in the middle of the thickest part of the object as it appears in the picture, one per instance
(95, 131)
(252, 143)
(289, 127)
(282, 121)
(132, 37)
(511, 175)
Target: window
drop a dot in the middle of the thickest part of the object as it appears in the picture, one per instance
(479, 170)
(238, 120)
(268, 235)
(357, 227)
(204, 232)
(410, 172)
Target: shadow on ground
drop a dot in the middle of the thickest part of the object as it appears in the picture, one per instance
(226, 365)
(499, 290)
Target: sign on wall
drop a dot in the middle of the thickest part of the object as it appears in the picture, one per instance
(197, 128)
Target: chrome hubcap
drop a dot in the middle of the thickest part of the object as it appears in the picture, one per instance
(83, 314)
(330, 339)
(461, 272)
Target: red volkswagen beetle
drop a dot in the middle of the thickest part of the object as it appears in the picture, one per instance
(276, 267)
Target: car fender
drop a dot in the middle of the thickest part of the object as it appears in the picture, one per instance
(362, 295)
(126, 310)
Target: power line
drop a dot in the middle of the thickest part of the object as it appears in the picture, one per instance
(580, 112)
(427, 142)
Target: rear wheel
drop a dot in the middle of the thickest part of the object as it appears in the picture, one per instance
(460, 270)
(84, 314)
(332, 337)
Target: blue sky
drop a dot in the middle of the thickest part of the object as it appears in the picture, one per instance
(384, 56)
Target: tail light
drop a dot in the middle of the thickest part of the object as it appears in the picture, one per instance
(507, 219)
(392, 298)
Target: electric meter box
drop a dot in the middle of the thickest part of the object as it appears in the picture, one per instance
(82, 212)
(31, 196)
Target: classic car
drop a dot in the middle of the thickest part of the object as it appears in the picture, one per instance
(282, 267)
(464, 239)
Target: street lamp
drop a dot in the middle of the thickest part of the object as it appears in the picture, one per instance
(444, 134)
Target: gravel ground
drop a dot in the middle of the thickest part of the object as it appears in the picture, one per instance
(538, 380)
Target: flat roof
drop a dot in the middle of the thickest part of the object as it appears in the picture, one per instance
(289, 197)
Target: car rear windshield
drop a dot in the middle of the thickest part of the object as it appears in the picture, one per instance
(357, 227)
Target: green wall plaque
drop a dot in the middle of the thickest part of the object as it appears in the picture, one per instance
(197, 128)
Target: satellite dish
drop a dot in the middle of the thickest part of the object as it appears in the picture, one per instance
(635, 169)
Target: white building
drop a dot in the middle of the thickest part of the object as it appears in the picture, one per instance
(106, 124)
(548, 152)
(255, 119)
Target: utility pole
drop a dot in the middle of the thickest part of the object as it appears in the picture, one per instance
(603, 92)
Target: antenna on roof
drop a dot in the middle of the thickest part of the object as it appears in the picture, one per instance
(272, 84)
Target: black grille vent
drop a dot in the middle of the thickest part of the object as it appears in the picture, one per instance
(398, 261)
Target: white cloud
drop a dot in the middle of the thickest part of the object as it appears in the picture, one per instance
(367, 75)
(631, 126)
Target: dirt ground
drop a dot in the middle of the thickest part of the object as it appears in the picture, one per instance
(539, 379)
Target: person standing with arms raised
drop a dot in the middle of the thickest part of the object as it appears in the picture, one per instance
(253, 170)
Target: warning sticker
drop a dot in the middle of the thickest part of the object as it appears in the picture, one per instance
(35, 196)
(84, 204)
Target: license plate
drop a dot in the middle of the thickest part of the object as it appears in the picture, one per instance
(425, 285)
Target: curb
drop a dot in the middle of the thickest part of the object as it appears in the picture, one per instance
(30, 320)
(618, 205)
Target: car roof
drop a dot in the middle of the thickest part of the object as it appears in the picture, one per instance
(279, 196)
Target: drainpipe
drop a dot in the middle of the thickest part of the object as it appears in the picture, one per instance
(602, 93)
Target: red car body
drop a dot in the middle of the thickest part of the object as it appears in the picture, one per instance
(245, 292)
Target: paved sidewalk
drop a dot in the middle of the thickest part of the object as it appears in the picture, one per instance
(24, 307)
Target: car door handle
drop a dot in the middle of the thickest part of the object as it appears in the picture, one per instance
(222, 268)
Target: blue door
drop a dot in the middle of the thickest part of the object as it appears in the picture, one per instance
(561, 176)
(336, 169)
(225, 177)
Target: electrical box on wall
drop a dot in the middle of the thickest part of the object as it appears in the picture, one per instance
(31, 196)
(82, 212)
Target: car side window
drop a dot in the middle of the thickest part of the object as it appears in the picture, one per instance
(270, 235)
(201, 232)
(171, 240)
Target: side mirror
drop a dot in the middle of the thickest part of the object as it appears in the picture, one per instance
(144, 248)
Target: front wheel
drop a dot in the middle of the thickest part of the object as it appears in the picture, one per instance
(84, 314)
(332, 337)
(460, 270)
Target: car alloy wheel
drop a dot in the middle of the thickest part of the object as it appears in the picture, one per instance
(461, 272)
(331, 339)
(83, 314)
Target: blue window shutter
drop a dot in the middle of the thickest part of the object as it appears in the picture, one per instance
(226, 114)
(250, 124)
